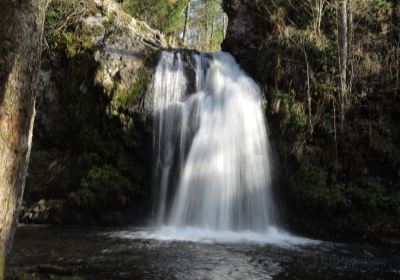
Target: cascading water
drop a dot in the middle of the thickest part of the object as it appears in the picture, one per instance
(212, 164)
(169, 89)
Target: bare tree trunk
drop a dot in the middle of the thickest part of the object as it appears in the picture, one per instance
(397, 91)
(320, 10)
(309, 98)
(343, 52)
(351, 59)
(396, 35)
(396, 19)
(334, 127)
(223, 26)
(317, 10)
(21, 32)
(187, 22)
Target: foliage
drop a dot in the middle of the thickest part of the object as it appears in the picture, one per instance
(311, 183)
(207, 25)
(344, 174)
(104, 187)
(165, 15)
(369, 194)
(207, 21)
(63, 29)
(293, 122)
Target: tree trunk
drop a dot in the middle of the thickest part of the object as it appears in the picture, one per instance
(309, 98)
(396, 35)
(21, 32)
(350, 60)
(318, 13)
(187, 22)
(396, 19)
(343, 51)
(223, 26)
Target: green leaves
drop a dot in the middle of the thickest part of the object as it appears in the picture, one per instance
(165, 15)
(104, 187)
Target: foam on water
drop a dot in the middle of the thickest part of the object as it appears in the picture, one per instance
(272, 235)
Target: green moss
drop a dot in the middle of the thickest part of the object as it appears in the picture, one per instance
(135, 91)
(124, 99)
(63, 28)
(111, 17)
(100, 79)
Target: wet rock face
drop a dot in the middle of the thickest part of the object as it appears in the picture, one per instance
(127, 54)
(119, 62)
(245, 33)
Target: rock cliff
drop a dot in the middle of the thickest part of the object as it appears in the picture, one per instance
(91, 153)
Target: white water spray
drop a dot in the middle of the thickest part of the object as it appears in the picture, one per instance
(213, 164)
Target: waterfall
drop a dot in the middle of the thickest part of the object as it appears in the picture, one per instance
(212, 165)
(169, 89)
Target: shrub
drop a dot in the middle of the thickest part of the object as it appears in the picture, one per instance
(104, 187)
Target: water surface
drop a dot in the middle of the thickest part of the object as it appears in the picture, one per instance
(134, 254)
